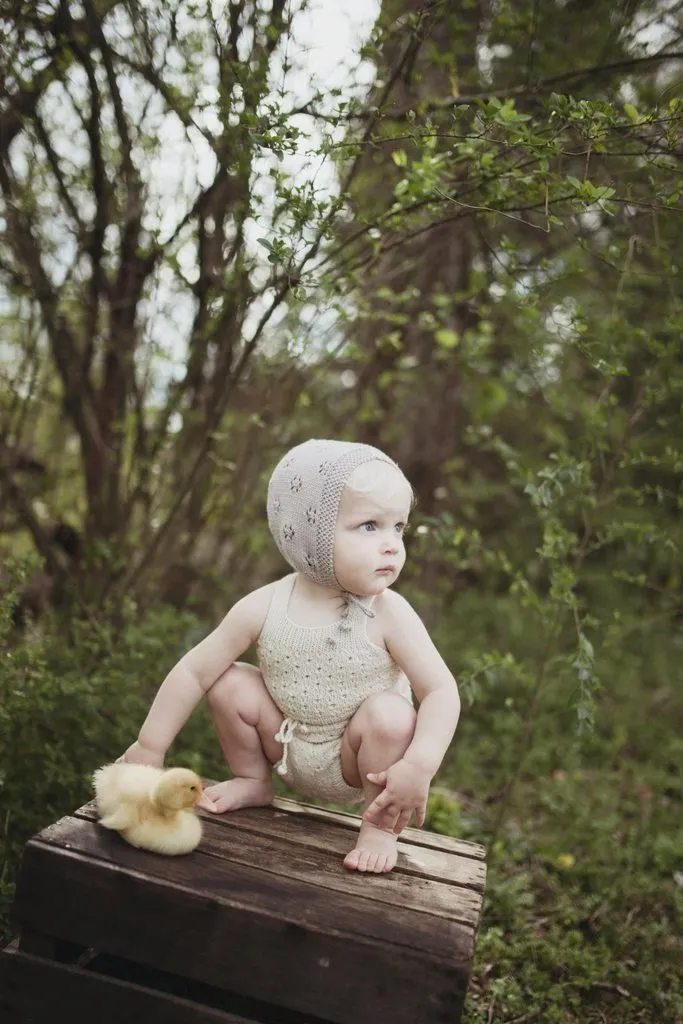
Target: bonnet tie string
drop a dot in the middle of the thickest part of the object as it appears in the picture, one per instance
(352, 599)
(344, 625)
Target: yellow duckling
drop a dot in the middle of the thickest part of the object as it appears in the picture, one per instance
(152, 808)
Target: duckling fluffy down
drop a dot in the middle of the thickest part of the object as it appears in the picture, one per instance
(152, 808)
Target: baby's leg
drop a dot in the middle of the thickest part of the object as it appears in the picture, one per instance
(246, 720)
(377, 736)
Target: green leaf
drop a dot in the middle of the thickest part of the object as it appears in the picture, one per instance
(400, 157)
(447, 338)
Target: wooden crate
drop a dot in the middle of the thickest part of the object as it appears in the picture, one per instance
(260, 923)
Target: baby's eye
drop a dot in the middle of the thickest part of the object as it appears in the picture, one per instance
(369, 526)
(400, 527)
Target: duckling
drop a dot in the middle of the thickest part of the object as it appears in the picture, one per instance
(151, 808)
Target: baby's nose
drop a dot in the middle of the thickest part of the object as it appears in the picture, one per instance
(390, 544)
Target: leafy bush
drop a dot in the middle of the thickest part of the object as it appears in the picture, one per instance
(66, 708)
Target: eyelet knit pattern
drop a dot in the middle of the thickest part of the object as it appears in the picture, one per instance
(319, 676)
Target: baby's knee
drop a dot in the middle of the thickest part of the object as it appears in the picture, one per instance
(237, 689)
(390, 717)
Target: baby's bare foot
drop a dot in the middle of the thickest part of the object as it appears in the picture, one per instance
(375, 851)
(236, 793)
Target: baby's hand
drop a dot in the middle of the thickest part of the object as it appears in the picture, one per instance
(406, 787)
(138, 753)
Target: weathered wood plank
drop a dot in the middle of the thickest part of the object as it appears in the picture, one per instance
(420, 861)
(413, 860)
(38, 991)
(414, 836)
(312, 864)
(195, 991)
(418, 836)
(300, 946)
(442, 858)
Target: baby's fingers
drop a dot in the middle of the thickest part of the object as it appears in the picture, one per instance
(381, 811)
(374, 811)
(402, 821)
(206, 803)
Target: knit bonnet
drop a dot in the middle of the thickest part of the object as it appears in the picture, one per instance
(304, 495)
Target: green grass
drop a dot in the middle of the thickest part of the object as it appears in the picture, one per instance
(584, 901)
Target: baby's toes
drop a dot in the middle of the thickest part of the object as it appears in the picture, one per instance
(373, 861)
(363, 860)
(382, 864)
(351, 860)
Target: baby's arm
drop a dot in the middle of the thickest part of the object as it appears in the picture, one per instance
(195, 674)
(407, 782)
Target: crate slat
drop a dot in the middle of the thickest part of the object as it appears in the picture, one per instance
(415, 836)
(41, 991)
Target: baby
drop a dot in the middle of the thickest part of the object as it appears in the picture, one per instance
(339, 653)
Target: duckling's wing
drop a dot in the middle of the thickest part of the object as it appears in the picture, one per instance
(123, 817)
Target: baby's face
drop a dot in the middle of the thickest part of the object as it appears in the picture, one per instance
(368, 546)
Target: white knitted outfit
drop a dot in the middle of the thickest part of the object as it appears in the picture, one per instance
(318, 675)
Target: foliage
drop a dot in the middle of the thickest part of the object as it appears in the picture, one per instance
(67, 708)
(584, 903)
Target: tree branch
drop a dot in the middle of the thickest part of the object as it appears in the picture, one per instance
(529, 88)
(101, 193)
(53, 161)
(28, 517)
(174, 100)
(77, 390)
(23, 103)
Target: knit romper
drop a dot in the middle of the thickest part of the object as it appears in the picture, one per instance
(319, 676)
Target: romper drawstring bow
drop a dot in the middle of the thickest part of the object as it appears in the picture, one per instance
(285, 735)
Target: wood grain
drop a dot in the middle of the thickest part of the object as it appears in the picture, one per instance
(417, 836)
(315, 858)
